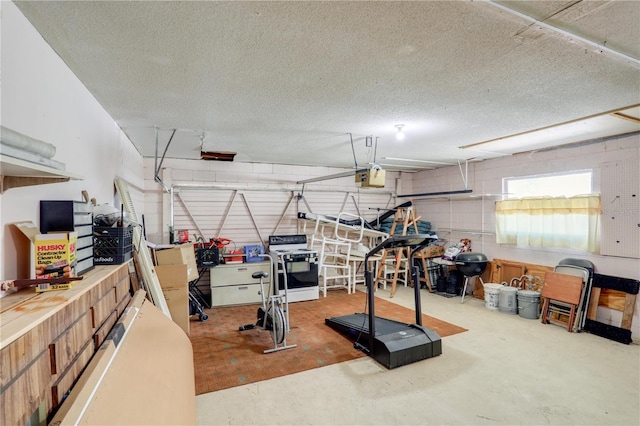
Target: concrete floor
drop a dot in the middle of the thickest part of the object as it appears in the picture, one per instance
(504, 370)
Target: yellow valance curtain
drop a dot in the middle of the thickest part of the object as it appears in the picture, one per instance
(553, 222)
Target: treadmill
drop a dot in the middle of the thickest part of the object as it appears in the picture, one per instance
(391, 343)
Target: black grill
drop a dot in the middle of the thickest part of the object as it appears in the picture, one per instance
(471, 264)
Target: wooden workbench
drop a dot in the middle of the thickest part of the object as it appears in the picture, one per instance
(48, 339)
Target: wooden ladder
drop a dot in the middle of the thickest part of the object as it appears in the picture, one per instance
(406, 217)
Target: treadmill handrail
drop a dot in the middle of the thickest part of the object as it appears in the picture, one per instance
(419, 242)
(412, 240)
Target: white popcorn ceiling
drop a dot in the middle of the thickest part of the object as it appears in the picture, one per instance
(286, 82)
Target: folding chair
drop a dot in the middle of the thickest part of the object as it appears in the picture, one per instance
(561, 294)
(584, 269)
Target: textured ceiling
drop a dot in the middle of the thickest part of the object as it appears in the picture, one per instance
(294, 82)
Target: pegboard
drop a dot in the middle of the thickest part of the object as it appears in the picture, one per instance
(620, 197)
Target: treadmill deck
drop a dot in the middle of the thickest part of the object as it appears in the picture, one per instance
(359, 323)
(394, 344)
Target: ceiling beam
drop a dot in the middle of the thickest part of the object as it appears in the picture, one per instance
(634, 61)
(329, 177)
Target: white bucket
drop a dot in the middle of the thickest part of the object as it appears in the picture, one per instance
(508, 304)
(491, 296)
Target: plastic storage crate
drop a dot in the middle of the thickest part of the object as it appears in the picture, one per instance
(112, 246)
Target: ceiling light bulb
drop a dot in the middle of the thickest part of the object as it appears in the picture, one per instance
(400, 134)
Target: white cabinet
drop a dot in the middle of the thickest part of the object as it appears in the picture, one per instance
(232, 284)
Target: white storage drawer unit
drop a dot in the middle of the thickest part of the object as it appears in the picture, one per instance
(232, 284)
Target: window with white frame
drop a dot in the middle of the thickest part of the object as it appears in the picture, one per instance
(553, 211)
(567, 184)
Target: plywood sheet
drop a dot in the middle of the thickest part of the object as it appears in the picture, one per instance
(151, 379)
(612, 299)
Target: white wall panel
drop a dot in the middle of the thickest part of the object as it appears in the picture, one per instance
(203, 194)
(43, 99)
(620, 195)
(615, 164)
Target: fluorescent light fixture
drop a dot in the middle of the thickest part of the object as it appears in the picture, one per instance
(412, 160)
(438, 194)
(407, 167)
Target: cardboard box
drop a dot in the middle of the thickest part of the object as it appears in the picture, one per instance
(52, 255)
(374, 178)
(180, 255)
(432, 251)
(55, 255)
(175, 287)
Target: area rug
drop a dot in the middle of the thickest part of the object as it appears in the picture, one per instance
(225, 357)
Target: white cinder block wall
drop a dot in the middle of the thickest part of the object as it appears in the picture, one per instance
(452, 217)
(204, 191)
(43, 99)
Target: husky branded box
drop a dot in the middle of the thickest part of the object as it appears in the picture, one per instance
(55, 255)
(45, 255)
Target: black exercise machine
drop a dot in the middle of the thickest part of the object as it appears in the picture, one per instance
(392, 343)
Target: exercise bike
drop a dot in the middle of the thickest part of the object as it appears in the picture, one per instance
(271, 315)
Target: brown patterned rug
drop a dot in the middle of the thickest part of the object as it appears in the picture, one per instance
(225, 357)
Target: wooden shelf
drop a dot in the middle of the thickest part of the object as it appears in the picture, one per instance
(15, 173)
